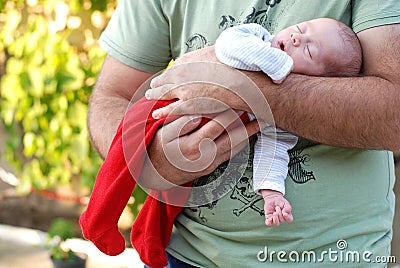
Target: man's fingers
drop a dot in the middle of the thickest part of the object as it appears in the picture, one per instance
(162, 92)
(225, 144)
(228, 148)
(237, 137)
(218, 124)
(207, 147)
(169, 110)
(171, 76)
(158, 81)
(189, 107)
(252, 128)
(179, 127)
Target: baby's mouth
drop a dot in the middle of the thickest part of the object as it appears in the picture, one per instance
(281, 45)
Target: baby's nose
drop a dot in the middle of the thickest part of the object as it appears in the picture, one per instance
(296, 39)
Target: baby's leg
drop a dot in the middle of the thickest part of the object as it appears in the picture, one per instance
(276, 208)
(113, 187)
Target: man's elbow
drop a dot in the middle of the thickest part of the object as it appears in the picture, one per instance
(392, 142)
(394, 146)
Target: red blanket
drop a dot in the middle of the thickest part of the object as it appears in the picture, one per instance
(115, 182)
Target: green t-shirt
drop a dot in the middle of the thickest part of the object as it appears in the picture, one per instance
(342, 199)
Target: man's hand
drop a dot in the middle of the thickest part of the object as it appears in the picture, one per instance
(356, 112)
(193, 98)
(206, 54)
(178, 154)
(198, 84)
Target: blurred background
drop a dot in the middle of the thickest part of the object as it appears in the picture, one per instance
(49, 61)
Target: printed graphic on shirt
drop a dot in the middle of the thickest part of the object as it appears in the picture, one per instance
(195, 42)
(219, 183)
(244, 193)
(243, 190)
(237, 182)
(227, 21)
(297, 167)
(242, 185)
(257, 15)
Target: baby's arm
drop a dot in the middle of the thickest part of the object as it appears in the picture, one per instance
(270, 168)
(248, 47)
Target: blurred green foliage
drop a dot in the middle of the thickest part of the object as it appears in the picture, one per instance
(60, 231)
(49, 60)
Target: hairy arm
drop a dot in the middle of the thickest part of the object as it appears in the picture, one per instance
(356, 112)
(115, 87)
(360, 112)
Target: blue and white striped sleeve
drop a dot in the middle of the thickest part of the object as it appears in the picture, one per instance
(248, 47)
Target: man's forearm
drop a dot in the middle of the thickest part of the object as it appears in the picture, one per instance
(360, 112)
(116, 85)
(357, 112)
(104, 115)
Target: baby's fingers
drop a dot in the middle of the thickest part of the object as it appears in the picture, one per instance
(287, 212)
(268, 220)
(279, 215)
(288, 217)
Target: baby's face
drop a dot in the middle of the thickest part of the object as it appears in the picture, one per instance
(310, 44)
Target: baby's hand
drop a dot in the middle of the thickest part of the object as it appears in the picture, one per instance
(280, 80)
(283, 78)
(276, 208)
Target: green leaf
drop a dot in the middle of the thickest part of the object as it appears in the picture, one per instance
(11, 89)
(45, 91)
(78, 150)
(14, 66)
(77, 115)
(37, 81)
(13, 19)
(29, 146)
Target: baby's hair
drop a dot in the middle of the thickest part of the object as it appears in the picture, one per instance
(348, 63)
